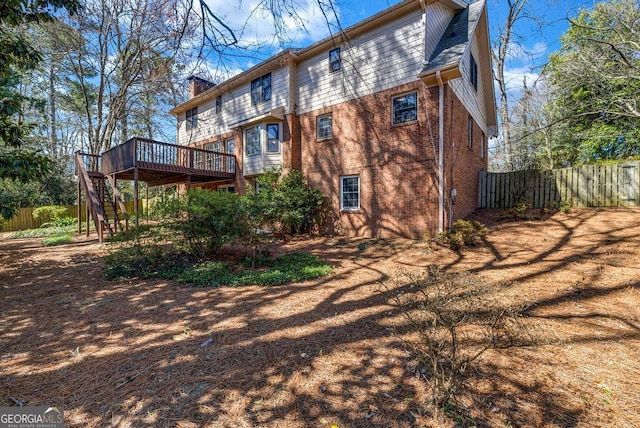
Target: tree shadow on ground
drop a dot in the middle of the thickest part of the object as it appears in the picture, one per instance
(324, 352)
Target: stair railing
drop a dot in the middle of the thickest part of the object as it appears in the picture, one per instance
(120, 201)
(91, 196)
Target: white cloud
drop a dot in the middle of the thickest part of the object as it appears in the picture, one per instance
(254, 25)
(517, 52)
(515, 78)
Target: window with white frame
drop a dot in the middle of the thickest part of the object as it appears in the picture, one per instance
(350, 193)
(253, 140)
(325, 126)
(273, 138)
(261, 89)
(219, 104)
(192, 118)
(231, 150)
(335, 62)
(405, 108)
(473, 72)
(227, 188)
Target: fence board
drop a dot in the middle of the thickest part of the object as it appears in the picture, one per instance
(586, 185)
(24, 219)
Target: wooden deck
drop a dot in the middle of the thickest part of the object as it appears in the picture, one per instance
(158, 163)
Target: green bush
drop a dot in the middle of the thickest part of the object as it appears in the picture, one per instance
(211, 220)
(464, 233)
(518, 211)
(49, 212)
(288, 201)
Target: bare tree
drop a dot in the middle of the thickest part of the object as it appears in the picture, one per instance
(502, 47)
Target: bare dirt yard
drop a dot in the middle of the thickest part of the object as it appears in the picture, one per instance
(331, 352)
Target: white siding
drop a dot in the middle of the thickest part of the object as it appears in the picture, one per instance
(236, 107)
(438, 18)
(254, 165)
(471, 98)
(378, 60)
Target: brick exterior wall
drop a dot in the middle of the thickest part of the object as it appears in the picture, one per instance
(462, 163)
(397, 164)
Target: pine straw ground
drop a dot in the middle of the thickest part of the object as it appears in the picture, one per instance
(332, 351)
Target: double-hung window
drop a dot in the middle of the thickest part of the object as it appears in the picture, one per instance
(350, 193)
(192, 118)
(231, 149)
(261, 89)
(325, 126)
(273, 138)
(252, 140)
(473, 72)
(218, 103)
(335, 62)
(405, 108)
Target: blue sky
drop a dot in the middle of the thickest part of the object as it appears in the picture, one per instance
(528, 53)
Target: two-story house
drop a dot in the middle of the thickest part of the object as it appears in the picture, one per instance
(390, 118)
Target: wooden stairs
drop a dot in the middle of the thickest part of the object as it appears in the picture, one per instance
(104, 203)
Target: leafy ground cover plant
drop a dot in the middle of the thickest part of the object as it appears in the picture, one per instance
(58, 239)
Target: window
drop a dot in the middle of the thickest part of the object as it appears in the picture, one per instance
(192, 118)
(470, 132)
(334, 60)
(325, 127)
(473, 76)
(219, 104)
(227, 188)
(482, 145)
(231, 149)
(252, 141)
(261, 89)
(273, 138)
(405, 108)
(350, 193)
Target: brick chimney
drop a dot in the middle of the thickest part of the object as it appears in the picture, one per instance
(197, 85)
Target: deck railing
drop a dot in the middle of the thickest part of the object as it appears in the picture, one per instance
(161, 156)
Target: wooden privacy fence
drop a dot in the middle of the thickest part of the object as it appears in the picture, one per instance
(586, 186)
(24, 219)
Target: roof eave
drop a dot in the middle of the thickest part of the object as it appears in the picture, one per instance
(447, 72)
(246, 76)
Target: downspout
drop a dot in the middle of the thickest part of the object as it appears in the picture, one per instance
(440, 152)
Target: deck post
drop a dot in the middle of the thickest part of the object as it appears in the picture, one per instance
(136, 192)
(79, 207)
(146, 188)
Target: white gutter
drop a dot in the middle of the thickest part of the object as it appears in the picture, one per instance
(440, 152)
